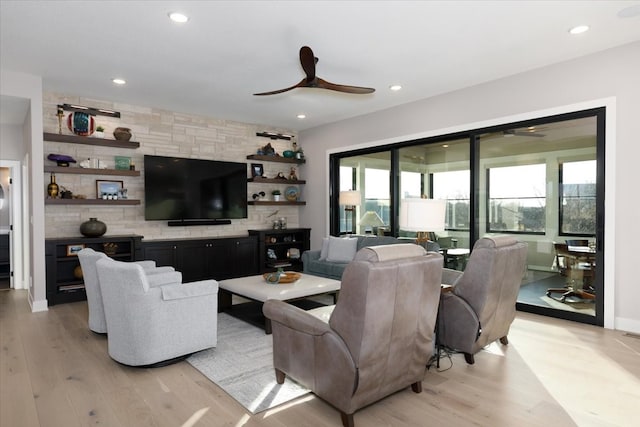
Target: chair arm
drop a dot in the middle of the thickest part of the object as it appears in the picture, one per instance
(450, 276)
(458, 325)
(158, 270)
(294, 318)
(310, 255)
(166, 278)
(146, 265)
(189, 290)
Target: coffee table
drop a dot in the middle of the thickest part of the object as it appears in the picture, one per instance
(256, 289)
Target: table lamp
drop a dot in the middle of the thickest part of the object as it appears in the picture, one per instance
(350, 199)
(422, 216)
(370, 220)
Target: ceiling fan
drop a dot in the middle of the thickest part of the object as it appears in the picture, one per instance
(528, 132)
(308, 62)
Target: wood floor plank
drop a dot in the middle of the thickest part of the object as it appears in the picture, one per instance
(55, 372)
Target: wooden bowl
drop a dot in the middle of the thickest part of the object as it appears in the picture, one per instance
(286, 277)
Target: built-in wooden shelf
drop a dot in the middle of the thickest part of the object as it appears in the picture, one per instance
(75, 139)
(119, 202)
(274, 203)
(276, 180)
(90, 171)
(275, 159)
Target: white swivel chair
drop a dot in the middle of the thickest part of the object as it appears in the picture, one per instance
(88, 258)
(155, 325)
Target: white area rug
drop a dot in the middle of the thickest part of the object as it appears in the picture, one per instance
(242, 365)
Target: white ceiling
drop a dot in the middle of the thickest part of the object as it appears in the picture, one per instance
(231, 49)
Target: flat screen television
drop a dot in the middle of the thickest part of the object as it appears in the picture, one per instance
(187, 190)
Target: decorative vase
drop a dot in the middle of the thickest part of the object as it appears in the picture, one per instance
(81, 123)
(93, 228)
(52, 188)
(276, 197)
(77, 272)
(122, 134)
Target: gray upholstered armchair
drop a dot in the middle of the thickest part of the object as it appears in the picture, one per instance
(88, 258)
(482, 303)
(379, 336)
(153, 325)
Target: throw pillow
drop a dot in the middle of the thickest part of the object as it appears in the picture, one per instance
(325, 249)
(342, 249)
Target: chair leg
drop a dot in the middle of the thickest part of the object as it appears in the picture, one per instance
(279, 376)
(468, 357)
(417, 387)
(504, 340)
(347, 419)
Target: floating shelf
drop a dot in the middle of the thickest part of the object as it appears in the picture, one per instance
(276, 180)
(75, 139)
(90, 171)
(274, 203)
(279, 159)
(120, 202)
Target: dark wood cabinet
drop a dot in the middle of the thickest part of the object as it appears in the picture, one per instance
(200, 259)
(281, 248)
(63, 283)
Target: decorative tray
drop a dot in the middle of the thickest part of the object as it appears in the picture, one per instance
(285, 277)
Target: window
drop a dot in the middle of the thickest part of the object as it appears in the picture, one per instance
(578, 198)
(517, 199)
(453, 186)
(377, 193)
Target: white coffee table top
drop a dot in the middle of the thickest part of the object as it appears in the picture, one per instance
(256, 288)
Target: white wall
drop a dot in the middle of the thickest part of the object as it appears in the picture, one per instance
(610, 75)
(29, 87)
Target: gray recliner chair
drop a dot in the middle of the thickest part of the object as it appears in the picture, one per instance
(378, 338)
(155, 325)
(88, 258)
(481, 306)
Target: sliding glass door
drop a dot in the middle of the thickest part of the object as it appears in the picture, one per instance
(541, 181)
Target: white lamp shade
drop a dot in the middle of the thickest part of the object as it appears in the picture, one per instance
(349, 198)
(371, 219)
(422, 214)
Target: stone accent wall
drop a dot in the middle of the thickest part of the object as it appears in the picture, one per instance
(162, 133)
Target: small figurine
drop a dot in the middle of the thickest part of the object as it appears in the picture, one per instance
(292, 174)
(280, 176)
(268, 150)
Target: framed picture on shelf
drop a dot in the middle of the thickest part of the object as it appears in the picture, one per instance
(108, 189)
(257, 171)
(122, 163)
(72, 250)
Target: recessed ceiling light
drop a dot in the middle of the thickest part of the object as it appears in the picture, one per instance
(395, 88)
(119, 81)
(178, 17)
(445, 145)
(301, 116)
(579, 29)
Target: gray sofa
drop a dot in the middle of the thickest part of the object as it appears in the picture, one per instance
(312, 264)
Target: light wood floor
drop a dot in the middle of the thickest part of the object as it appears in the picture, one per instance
(55, 372)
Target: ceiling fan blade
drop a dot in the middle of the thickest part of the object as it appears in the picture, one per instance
(323, 84)
(303, 83)
(308, 62)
